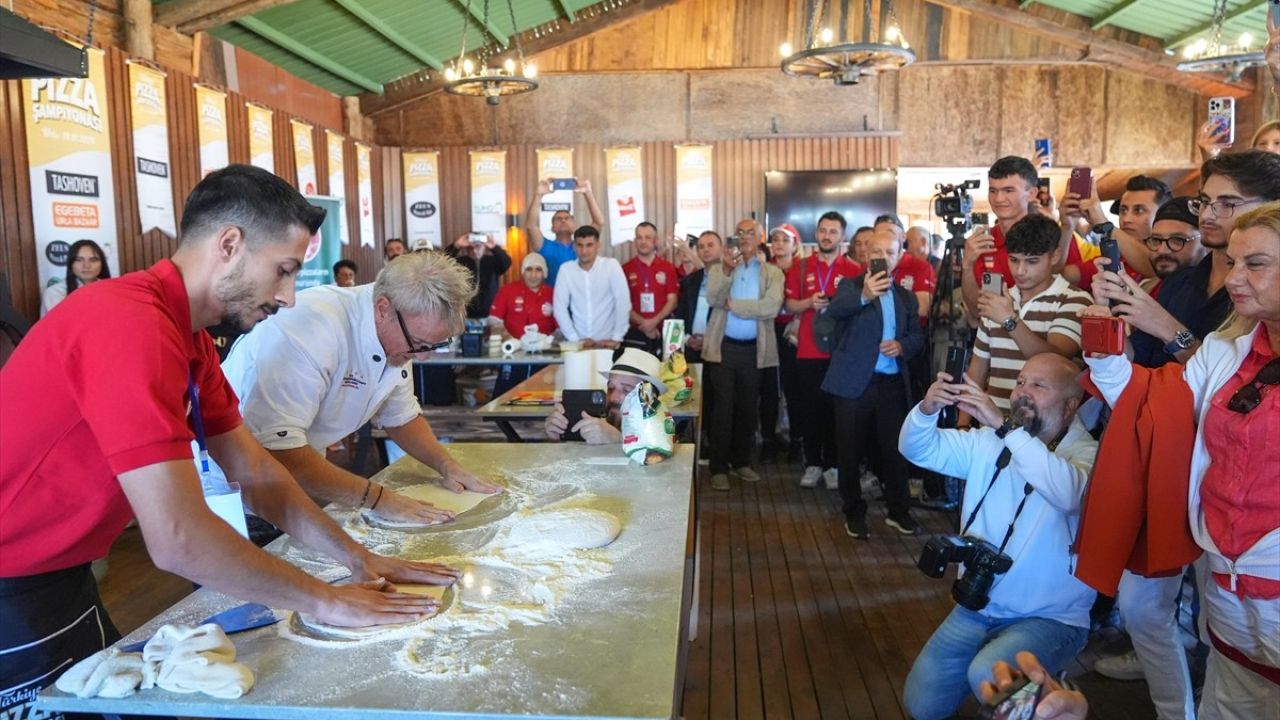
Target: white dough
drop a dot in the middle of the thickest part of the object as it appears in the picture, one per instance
(554, 532)
(457, 503)
(376, 631)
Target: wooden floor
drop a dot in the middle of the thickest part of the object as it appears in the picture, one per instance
(796, 619)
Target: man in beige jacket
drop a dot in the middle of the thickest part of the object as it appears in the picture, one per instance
(745, 295)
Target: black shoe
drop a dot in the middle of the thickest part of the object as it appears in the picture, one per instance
(904, 524)
(856, 528)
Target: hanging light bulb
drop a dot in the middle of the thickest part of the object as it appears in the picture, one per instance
(530, 70)
(785, 49)
(509, 66)
(892, 33)
(827, 35)
(1246, 39)
(450, 74)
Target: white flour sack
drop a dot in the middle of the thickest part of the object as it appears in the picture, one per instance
(648, 432)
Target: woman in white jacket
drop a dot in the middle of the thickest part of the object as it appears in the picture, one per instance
(1234, 502)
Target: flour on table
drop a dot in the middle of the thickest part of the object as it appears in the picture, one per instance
(373, 632)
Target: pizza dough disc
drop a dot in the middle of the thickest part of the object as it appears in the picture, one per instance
(554, 532)
(457, 503)
(309, 623)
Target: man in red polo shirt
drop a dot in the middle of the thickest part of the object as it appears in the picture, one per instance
(914, 273)
(101, 402)
(1011, 187)
(655, 290)
(811, 282)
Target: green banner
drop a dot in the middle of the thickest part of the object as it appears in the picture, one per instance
(325, 248)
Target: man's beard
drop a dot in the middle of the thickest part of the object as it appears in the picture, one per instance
(1024, 412)
(1165, 265)
(613, 413)
(236, 296)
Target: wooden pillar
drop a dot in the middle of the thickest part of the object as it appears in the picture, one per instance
(138, 38)
(352, 118)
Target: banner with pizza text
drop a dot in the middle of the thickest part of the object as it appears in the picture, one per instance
(422, 199)
(211, 128)
(69, 154)
(262, 151)
(148, 115)
(694, 212)
(304, 156)
(489, 193)
(364, 193)
(625, 192)
(554, 164)
(336, 145)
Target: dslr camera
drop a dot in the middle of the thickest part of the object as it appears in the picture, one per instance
(983, 562)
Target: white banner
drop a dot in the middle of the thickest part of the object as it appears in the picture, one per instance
(338, 178)
(554, 163)
(148, 114)
(304, 155)
(364, 190)
(261, 138)
(489, 193)
(626, 192)
(69, 154)
(211, 128)
(694, 211)
(422, 199)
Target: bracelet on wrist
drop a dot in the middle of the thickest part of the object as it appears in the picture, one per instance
(378, 499)
(368, 485)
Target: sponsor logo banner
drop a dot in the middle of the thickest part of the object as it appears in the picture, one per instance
(626, 192)
(694, 210)
(69, 154)
(554, 163)
(261, 137)
(336, 145)
(149, 115)
(304, 156)
(364, 190)
(211, 126)
(422, 199)
(489, 193)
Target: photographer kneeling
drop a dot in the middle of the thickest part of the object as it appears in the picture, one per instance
(1021, 507)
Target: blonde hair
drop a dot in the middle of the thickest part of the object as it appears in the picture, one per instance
(1265, 216)
(1266, 128)
(427, 283)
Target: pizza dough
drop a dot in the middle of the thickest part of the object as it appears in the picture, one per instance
(309, 622)
(457, 503)
(555, 532)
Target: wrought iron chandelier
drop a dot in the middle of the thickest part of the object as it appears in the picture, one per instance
(1216, 56)
(465, 76)
(846, 63)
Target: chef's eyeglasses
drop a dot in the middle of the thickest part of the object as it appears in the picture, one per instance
(1175, 242)
(415, 348)
(1249, 397)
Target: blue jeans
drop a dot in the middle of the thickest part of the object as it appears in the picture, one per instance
(959, 656)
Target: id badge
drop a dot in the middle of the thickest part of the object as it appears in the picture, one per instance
(227, 505)
(646, 302)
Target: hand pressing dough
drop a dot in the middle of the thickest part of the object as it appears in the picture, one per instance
(554, 532)
(457, 503)
(375, 631)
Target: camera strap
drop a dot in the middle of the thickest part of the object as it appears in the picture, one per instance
(1001, 463)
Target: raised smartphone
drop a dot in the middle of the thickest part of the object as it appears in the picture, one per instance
(957, 363)
(993, 282)
(980, 218)
(877, 265)
(1044, 147)
(1222, 116)
(564, 184)
(1081, 181)
(576, 402)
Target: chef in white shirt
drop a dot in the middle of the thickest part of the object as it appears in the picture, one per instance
(309, 377)
(592, 302)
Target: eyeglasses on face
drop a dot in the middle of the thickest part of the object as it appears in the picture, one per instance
(1174, 242)
(1249, 397)
(1221, 208)
(415, 348)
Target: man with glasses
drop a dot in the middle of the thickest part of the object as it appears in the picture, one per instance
(313, 376)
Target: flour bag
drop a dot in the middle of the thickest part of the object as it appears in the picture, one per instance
(648, 432)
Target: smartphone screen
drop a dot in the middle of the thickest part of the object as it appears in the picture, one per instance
(1275, 13)
(693, 240)
(876, 266)
(980, 218)
(564, 184)
(1018, 703)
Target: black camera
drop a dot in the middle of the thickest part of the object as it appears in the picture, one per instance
(983, 562)
(954, 201)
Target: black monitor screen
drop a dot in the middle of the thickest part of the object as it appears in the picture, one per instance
(801, 197)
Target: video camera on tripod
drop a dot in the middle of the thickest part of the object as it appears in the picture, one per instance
(954, 204)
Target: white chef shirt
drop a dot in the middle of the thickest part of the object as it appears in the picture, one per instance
(593, 303)
(315, 373)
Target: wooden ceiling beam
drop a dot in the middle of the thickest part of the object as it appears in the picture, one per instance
(1101, 49)
(478, 16)
(395, 37)
(279, 38)
(533, 41)
(1233, 15)
(193, 16)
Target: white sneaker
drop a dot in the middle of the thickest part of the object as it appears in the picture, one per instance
(832, 478)
(812, 475)
(1120, 667)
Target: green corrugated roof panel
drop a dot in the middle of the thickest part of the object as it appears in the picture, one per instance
(1172, 19)
(276, 56)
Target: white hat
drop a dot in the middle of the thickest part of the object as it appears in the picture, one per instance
(638, 363)
(533, 259)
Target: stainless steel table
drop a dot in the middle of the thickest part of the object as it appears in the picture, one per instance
(551, 357)
(550, 381)
(614, 648)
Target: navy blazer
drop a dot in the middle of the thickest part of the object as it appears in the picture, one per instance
(853, 361)
(687, 306)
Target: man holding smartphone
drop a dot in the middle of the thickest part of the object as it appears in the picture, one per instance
(559, 249)
(1011, 187)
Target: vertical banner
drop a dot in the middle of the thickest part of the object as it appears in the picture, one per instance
(364, 191)
(489, 192)
(261, 138)
(626, 192)
(69, 154)
(336, 145)
(693, 188)
(422, 199)
(304, 157)
(147, 112)
(325, 247)
(211, 109)
(554, 163)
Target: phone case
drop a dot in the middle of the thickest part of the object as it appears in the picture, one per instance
(1102, 335)
(993, 282)
(1222, 114)
(1080, 182)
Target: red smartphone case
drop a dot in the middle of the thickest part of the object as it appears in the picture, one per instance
(1102, 335)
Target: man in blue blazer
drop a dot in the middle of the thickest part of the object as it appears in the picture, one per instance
(869, 379)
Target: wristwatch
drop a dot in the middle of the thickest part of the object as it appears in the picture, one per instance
(1103, 229)
(1183, 340)
(1011, 323)
(1008, 427)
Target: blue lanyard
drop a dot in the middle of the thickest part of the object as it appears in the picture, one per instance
(198, 422)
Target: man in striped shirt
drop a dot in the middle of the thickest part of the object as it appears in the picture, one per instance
(1037, 315)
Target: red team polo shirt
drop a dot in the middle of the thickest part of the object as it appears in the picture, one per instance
(518, 306)
(102, 382)
(818, 276)
(659, 278)
(915, 275)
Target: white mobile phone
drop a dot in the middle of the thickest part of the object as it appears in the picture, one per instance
(1222, 115)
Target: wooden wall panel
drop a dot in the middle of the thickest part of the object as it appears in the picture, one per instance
(1147, 122)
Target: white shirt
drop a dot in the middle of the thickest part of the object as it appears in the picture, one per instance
(315, 373)
(53, 295)
(1040, 583)
(593, 303)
